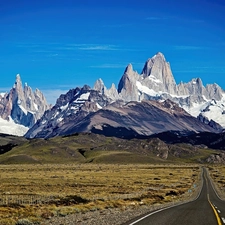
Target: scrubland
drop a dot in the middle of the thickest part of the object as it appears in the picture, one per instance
(38, 192)
(217, 174)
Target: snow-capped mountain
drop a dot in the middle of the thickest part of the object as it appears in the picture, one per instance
(87, 110)
(70, 109)
(20, 108)
(143, 104)
(156, 82)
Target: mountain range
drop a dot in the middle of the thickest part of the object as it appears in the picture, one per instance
(142, 105)
(156, 82)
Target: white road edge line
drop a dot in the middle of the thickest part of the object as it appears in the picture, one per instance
(150, 214)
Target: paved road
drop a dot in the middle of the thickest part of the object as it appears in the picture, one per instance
(207, 209)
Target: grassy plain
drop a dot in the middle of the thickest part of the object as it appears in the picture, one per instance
(72, 188)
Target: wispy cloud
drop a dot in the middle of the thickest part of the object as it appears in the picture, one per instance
(188, 47)
(51, 47)
(105, 66)
(203, 69)
(98, 47)
(155, 18)
(87, 47)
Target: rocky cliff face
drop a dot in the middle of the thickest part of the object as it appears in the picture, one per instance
(22, 105)
(218, 158)
(157, 75)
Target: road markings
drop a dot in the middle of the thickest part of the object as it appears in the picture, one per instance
(223, 220)
(169, 207)
(148, 215)
(216, 213)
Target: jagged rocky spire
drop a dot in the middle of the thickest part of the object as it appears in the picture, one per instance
(22, 104)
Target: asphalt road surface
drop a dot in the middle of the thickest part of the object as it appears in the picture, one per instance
(207, 209)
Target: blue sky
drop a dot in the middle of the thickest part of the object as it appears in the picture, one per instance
(58, 45)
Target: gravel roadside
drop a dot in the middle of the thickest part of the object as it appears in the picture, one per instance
(113, 216)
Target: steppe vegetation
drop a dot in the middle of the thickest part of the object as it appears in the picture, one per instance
(217, 173)
(38, 192)
(86, 148)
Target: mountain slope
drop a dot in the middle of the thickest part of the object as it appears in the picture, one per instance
(143, 118)
(70, 109)
(90, 111)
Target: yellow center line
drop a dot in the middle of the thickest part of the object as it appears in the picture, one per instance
(216, 213)
(214, 210)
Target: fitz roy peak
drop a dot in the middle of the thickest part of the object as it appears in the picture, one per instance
(20, 108)
(143, 104)
(156, 82)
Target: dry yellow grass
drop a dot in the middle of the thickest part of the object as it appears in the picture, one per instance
(98, 186)
(217, 173)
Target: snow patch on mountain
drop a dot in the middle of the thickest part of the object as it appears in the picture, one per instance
(24, 110)
(35, 106)
(216, 111)
(85, 96)
(60, 119)
(217, 114)
(154, 79)
(145, 89)
(64, 107)
(196, 108)
(211, 109)
(99, 107)
(10, 127)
